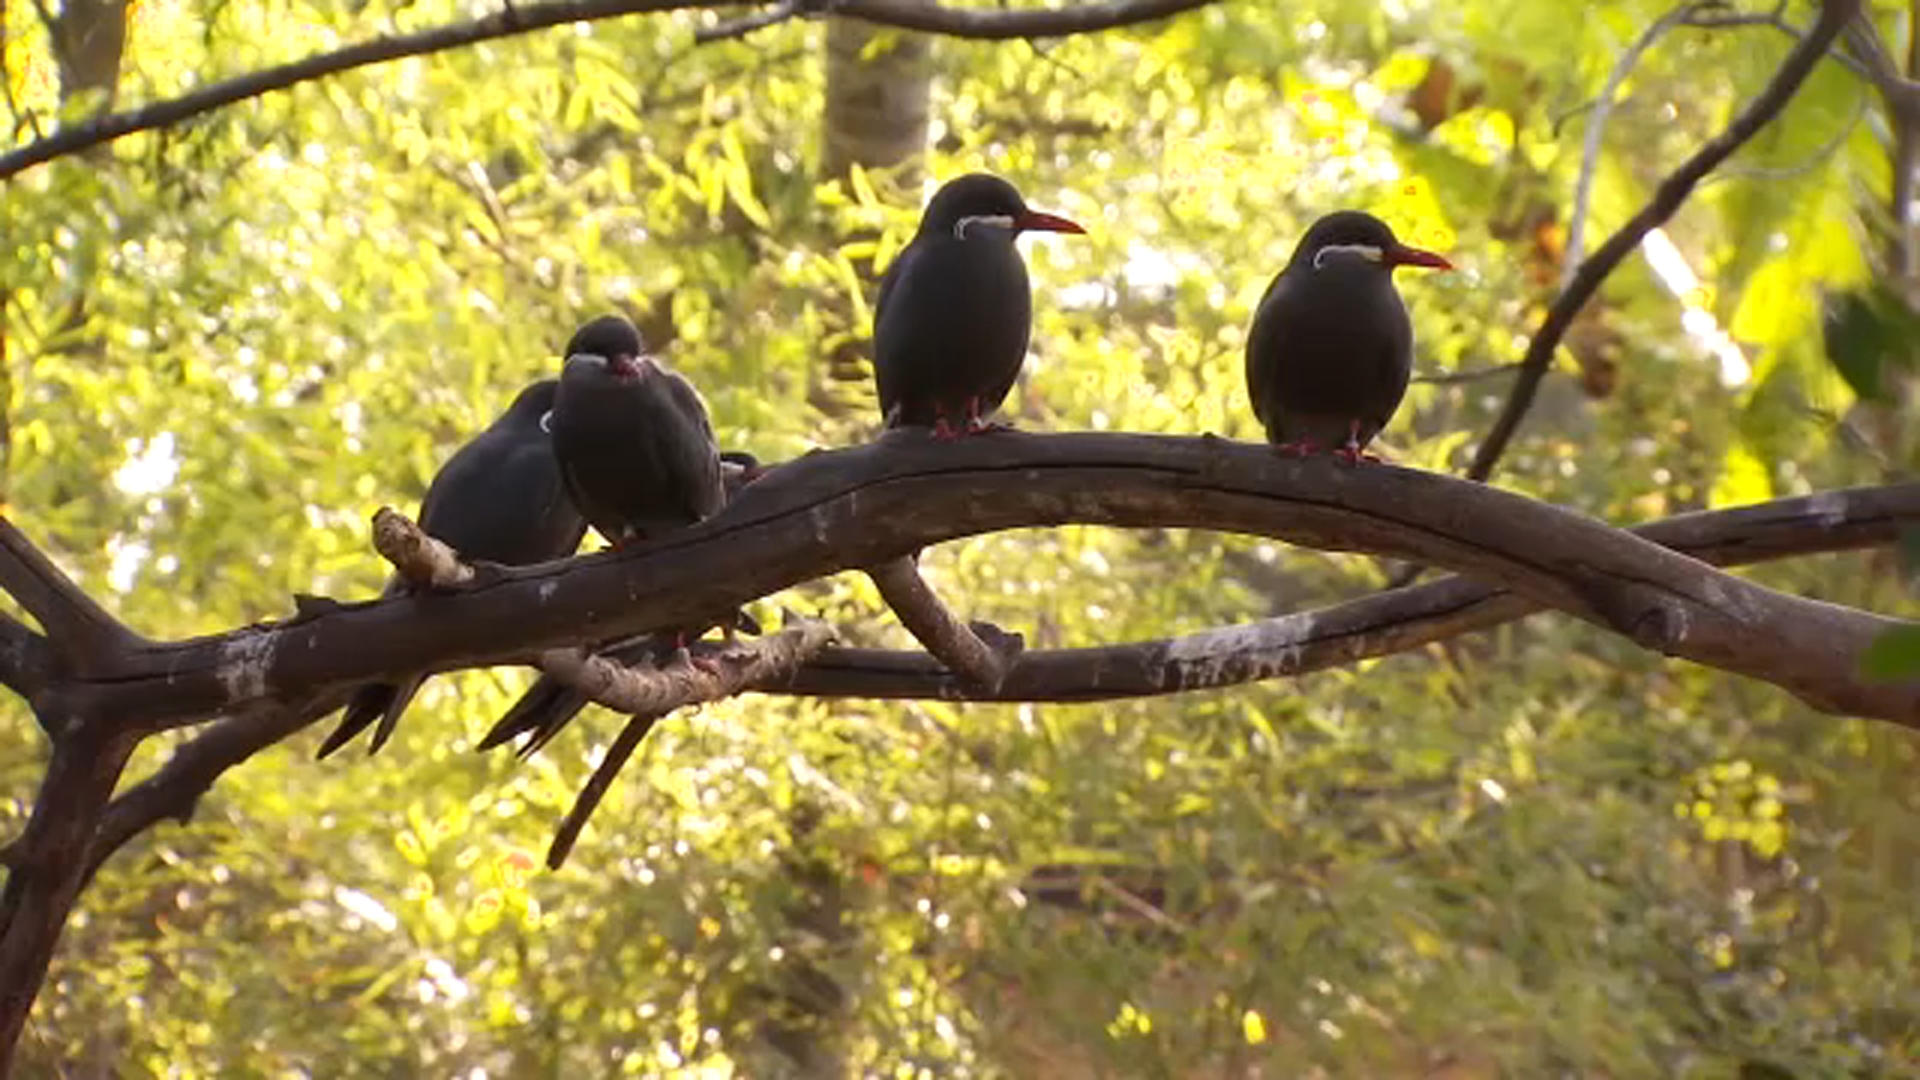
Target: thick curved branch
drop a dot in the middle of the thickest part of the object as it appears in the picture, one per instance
(1667, 199)
(1382, 624)
(857, 507)
(1829, 522)
(987, 24)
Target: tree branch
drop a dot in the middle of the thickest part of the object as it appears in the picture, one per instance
(79, 630)
(173, 791)
(26, 660)
(1382, 624)
(49, 865)
(664, 689)
(951, 641)
(1371, 626)
(1597, 126)
(856, 507)
(1667, 199)
(985, 24)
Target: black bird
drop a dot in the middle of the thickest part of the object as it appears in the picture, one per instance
(638, 457)
(1331, 347)
(636, 449)
(498, 499)
(549, 704)
(951, 326)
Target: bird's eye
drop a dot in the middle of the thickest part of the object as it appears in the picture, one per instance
(546, 422)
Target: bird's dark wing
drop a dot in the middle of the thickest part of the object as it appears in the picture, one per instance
(891, 360)
(1263, 353)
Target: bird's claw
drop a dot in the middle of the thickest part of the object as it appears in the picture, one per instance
(1296, 448)
(1353, 455)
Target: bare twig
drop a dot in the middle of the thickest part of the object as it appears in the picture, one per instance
(1710, 19)
(1667, 199)
(1597, 126)
(1470, 375)
(979, 23)
(419, 559)
(934, 627)
(747, 24)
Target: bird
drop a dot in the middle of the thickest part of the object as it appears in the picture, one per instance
(955, 311)
(638, 457)
(1331, 347)
(548, 705)
(635, 447)
(498, 499)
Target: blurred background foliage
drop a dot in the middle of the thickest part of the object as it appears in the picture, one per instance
(1533, 852)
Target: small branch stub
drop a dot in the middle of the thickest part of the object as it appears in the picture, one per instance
(420, 560)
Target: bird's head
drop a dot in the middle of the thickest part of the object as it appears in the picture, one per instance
(1353, 237)
(972, 205)
(614, 342)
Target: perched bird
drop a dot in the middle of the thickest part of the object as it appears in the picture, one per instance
(1331, 347)
(635, 447)
(499, 499)
(549, 704)
(955, 311)
(638, 457)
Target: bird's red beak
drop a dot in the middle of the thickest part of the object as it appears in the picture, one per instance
(624, 366)
(1035, 221)
(1413, 256)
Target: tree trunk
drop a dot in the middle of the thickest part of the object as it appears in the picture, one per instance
(876, 118)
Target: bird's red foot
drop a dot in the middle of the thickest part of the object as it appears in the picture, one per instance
(1351, 453)
(946, 432)
(1297, 448)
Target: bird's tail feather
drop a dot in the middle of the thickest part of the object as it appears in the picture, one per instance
(366, 705)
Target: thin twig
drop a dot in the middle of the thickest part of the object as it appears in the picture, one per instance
(747, 24)
(1470, 375)
(1597, 127)
(1667, 200)
(975, 23)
